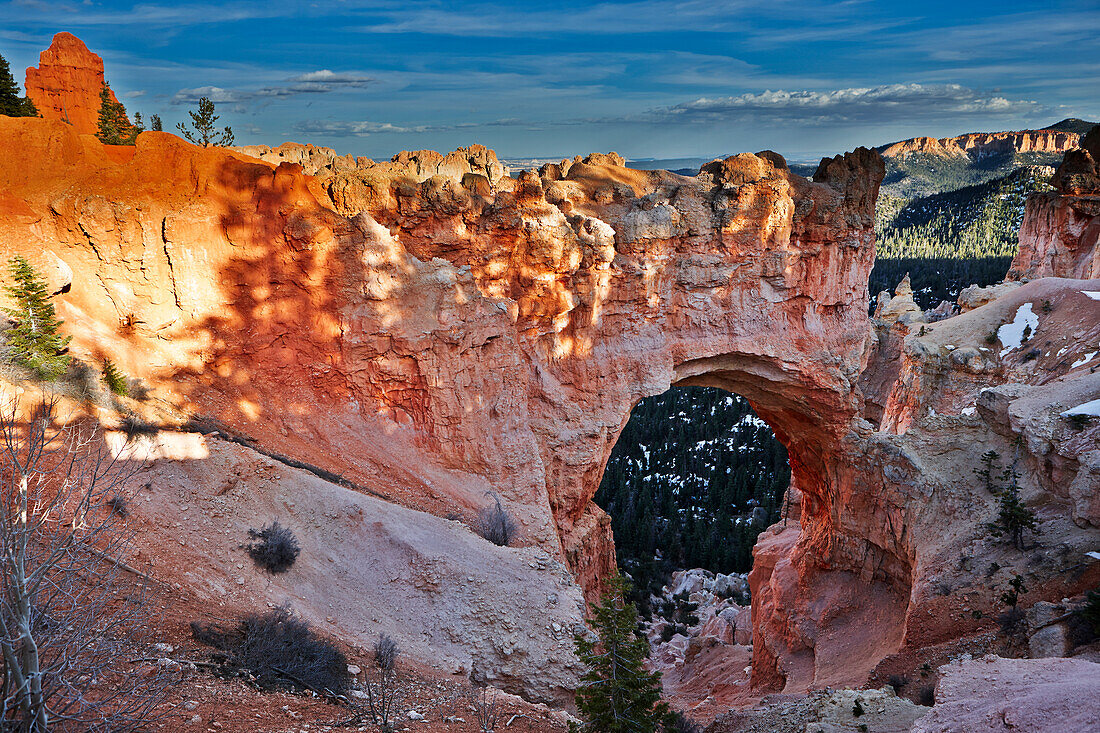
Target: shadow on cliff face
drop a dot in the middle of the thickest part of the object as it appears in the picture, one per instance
(274, 368)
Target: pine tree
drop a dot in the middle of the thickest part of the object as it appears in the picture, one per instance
(1013, 516)
(114, 126)
(11, 104)
(203, 122)
(34, 339)
(617, 694)
(114, 378)
(155, 124)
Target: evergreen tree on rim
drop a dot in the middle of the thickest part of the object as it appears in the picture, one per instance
(11, 104)
(34, 339)
(155, 124)
(114, 126)
(617, 694)
(203, 122)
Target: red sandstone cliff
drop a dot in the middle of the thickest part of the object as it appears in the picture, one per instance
(975, 144)
(66, 83)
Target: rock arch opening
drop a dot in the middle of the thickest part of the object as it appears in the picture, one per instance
(807, 558)
(693, 478)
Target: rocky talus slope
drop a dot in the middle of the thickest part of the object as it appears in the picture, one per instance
(431, 332)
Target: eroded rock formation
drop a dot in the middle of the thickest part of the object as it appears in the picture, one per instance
(1060, 232)
(66, 83)
(458, 342)
(417, 165)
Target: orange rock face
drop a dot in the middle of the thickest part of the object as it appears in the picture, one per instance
(1060, 232)
(66, 83)
(452, 338)
(978, 143)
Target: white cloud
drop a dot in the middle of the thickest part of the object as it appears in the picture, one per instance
(341, 128)
(313, 82)
(886, 103)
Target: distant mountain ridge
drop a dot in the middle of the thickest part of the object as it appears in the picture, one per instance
(1058, 138)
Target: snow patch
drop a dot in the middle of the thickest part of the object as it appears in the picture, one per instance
(1083, 360)
(968, 411)
(1088, 408)
(1011, 335)
(1094, 294)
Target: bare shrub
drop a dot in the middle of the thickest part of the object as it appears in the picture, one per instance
(273, 548)
(135, 427)
(73, 615)
(495, 524)
(487, 706)
(927, 696)
(898, 681)
(119, 505)
(384, 698)
(280, 650)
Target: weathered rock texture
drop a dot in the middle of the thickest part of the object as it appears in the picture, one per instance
(1060, 232)
(418, 165)
(976, 144)
(1035, 695)
(66, 83)
(444, 342)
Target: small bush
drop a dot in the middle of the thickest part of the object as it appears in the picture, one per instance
(119, 505)
(857, 709)
(1015, 587)
(1091, 610)
(1079, 421)
(487, 705)
(927, 696)
(991, 338)
(495, 524)
(114, 379)
(135, 427)
(384, 694)
(683, 724)
(273, 548)
(898, 681)
(280, 651)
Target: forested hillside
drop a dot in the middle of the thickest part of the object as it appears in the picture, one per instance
(920, 175)
(949, 240)
(694, 477)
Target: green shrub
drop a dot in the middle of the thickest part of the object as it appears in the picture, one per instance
(1091, 610)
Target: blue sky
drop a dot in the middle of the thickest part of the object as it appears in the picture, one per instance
(648, 78)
